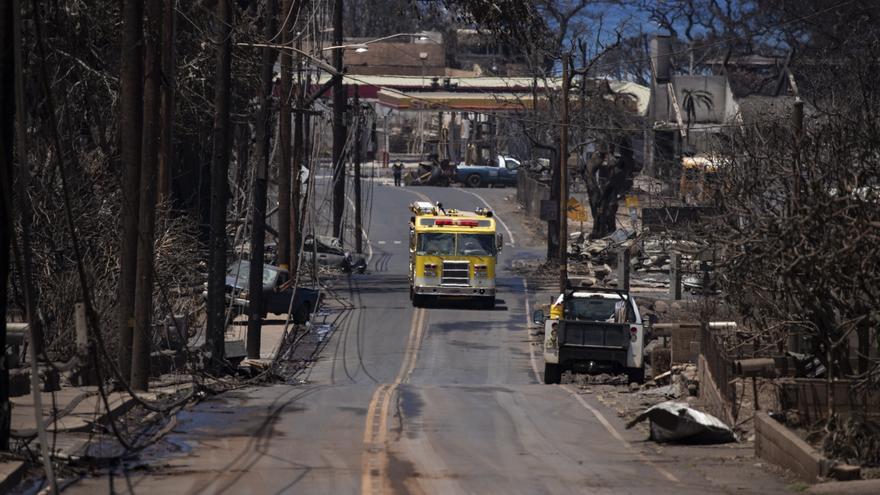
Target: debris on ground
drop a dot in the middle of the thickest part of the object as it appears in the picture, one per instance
(677, 422)
(854, 439)
(582, 380)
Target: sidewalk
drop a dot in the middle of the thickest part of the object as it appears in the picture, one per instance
(72, 434)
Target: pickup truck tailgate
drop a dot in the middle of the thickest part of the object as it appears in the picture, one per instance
(594, 334)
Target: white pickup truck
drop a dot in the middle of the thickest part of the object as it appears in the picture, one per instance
(593, 330)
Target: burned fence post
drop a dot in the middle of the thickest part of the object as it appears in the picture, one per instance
(675, 276)
(623, 269)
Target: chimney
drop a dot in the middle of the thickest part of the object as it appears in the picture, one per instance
(661, 57)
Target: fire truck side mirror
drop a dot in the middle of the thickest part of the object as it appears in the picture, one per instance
(499, 241)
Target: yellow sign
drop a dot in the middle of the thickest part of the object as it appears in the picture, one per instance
(576, 211)
(632, 201)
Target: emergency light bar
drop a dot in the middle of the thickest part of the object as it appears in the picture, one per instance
(461, 223)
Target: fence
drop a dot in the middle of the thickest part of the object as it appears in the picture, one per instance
(809, 396)
(719, 364)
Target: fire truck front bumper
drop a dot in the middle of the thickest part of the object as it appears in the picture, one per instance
(455, 291)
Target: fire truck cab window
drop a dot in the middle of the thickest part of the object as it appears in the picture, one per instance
(476, 244)
(436, 243)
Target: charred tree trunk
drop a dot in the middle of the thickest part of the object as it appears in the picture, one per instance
(143, 304)
(166, 151)
(131, 122)
(219, 184)
(607, 177)
(258, 226)
(284, 254)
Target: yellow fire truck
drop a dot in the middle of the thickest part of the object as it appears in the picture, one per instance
(452, 253)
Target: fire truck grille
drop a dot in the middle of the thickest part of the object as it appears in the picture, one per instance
(455, 273)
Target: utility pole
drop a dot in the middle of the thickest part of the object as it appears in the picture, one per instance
(131, 121)
(295, 200)
(166, 152)
(284, 141)
(563, 177)
(143, 299)
(797, 117)
(7, 136)
(216, 331)
(25, 265)
(258, 222)
(358, 130)
(339, 100)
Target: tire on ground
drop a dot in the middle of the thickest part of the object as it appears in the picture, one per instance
(474, 180)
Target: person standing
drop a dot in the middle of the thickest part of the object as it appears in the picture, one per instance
(397, 170)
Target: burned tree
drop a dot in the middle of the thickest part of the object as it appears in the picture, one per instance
(608, 176)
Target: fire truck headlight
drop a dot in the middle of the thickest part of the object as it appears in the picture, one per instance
(481, 271)
(430, 270)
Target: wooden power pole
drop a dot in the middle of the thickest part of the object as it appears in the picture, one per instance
(258, 224)
(563, 177)
(143, 301)
(166, 150)
(358, 130)
(7, 136)
(131, 122)
(284, 140)
(216, 330)
(339, 101)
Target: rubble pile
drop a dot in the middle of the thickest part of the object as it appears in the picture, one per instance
(592, 259)
(680, 381)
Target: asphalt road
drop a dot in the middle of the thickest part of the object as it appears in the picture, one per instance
(439, 400)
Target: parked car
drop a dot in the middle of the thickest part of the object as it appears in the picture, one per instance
(593, 330)
(501, 172)
(278, 290)
(331, 253)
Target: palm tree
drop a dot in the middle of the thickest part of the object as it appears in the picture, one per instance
(693, 98)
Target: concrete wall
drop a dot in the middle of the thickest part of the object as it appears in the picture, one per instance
(776, 444)
(530, 192)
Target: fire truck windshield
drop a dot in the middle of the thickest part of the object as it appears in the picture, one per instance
(434, 243)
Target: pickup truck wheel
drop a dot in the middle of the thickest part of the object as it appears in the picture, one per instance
(636, 375)
(552, 373)
(474, 180)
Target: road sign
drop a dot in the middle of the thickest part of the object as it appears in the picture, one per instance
(632, 201)
(576, 211)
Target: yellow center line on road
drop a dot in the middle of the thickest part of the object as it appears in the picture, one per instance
(374, 459)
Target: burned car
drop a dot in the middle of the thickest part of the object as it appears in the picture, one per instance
(329, 252)
(278, 290)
